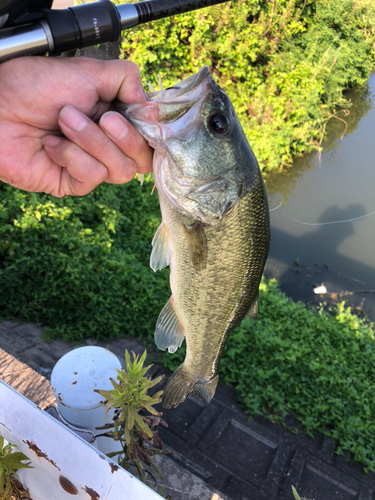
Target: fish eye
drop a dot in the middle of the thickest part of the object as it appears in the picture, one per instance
(218, 123)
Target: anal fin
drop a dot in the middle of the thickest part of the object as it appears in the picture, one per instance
(169, 333)
(160, 255)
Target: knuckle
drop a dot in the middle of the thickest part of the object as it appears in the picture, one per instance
(70, 155)
(58, 193)
(98, 175)
(80, 190)
(130, 67)
(123, 174)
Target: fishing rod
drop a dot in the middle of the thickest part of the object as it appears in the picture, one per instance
(31, 27)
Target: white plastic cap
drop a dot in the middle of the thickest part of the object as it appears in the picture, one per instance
(78, 373)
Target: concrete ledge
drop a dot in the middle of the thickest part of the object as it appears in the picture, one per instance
(182, 484)
(25, 380)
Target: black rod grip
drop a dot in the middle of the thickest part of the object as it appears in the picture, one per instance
(99, 22)
(83, 25)
(158, 9)
(64, 30)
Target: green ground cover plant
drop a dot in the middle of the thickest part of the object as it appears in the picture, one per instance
(81, 266)
(296, 495)
(284, 63)
(10, 462)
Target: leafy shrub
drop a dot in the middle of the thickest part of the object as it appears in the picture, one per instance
(80, 265)
(131, 427)
(284, 63)
(10, 462)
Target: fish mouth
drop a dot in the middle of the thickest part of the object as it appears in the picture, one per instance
(179, 90)
(176, 101)
(167, 106)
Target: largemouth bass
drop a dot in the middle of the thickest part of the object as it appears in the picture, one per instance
(215, 228)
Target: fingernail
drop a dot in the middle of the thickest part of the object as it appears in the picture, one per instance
(73, 119)
(114, 125)
(50, 141)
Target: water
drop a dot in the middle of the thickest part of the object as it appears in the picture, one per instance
(310, 243)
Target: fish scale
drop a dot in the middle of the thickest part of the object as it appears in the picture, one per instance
(214, 232)
(203, 310)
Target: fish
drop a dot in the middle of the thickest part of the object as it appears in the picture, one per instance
(215, 229)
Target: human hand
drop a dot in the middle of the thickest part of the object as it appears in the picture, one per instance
(42, 98)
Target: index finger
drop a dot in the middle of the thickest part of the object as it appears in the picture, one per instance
(119, 79)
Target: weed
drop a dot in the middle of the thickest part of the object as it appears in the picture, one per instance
(10, 462)
(132, 428)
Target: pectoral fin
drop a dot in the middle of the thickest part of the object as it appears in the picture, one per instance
(197, 243)
(169, 333)
(161, 254)
(253, 309)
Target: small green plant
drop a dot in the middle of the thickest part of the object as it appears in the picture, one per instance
(132, 427)
(296, 495)
(10, 462)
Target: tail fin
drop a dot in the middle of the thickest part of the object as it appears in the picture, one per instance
(182, 384)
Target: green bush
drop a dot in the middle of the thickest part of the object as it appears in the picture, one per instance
(284, 63)
(80, 265)
(312, 363)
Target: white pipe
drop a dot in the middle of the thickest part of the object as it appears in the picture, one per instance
(74, 379)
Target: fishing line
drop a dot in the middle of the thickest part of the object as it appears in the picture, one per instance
(278, 206)
(325, 223)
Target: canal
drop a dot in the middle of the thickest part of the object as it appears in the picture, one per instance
(323, 214)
